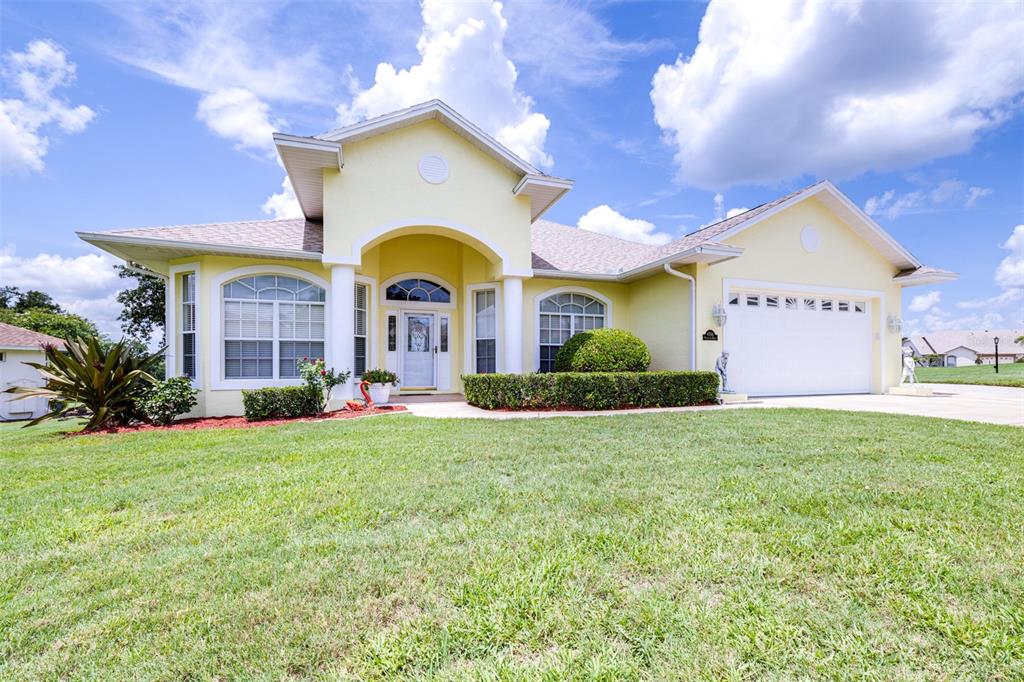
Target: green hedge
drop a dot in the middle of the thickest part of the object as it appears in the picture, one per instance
(603, 350)
(590, 390)
(280, 402)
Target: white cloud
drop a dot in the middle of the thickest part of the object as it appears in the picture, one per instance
(921, 303)
(719, 206)
(463, 62)
(24, 122)
(283, 204)
(735, 212)
(1010, 271)
(943, 195)
(938, 319)
(239, 115)
(853, 87)
(606, 220)
(85, 285)
(587, 53)
(1008, 296)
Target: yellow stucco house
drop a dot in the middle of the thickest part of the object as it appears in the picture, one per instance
(422, 250)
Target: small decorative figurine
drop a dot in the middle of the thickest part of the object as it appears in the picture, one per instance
(721, 366)
(909, 373)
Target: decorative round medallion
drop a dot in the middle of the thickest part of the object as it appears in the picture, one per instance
(433, 168)
(810, 239)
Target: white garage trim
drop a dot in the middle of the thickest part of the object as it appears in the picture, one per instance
(878, 312)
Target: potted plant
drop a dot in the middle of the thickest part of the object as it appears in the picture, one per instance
(381, 381)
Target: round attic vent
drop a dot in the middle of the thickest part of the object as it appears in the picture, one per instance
(810, 239)
(433, 168)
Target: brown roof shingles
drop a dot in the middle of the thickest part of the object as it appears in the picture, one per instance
(293, 234)
(19, 337)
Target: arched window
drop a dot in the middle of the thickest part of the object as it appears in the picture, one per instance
(270, 323)
(418, 291)
(561, 316)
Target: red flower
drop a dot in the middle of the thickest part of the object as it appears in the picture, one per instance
(306, 358)
(323, 372)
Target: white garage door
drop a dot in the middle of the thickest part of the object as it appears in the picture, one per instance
(793, 343)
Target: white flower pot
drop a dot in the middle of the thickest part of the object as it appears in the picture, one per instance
(380, 393)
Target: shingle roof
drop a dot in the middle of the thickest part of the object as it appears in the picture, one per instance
(294, 234)
(570, 249)
(980, 341)
(19, 337)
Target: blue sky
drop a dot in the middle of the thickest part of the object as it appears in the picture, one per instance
(667, 116)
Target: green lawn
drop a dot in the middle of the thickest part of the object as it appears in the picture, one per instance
(739, 544)
(1009, 375)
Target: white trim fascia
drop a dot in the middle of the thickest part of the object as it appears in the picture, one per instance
(654, 267)
(469, 331)
(34, 347)
(173, 331)
(371, 319)
(728, 282)
(434, 109)
(916, 280)
(566, 274)
(608, 319)
(217, 382)
(543, 181)
(311, 144)
(203, 247)
(419, 305)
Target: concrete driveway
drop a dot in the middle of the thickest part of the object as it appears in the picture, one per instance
(990, 404)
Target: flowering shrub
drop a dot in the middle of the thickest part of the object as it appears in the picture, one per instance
(320, 379)
(168, 399)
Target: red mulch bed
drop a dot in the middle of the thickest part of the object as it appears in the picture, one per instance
(241, 422)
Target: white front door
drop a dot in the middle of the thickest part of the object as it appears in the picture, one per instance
(419, 350)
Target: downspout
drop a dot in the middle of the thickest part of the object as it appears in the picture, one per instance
(693, 312)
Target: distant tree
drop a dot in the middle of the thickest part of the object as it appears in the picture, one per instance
(13, 298)
(61, 325)
(142, 306)
(1019, 339)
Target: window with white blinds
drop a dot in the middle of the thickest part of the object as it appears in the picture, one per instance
(361, 329)
(271, 322)
(561, 317)
(188, 325)
(485, 331)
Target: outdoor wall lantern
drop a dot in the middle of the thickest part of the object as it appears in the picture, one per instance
(718, 314)
(895, 324)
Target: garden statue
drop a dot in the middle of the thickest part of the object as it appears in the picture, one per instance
(721, 365)
(909, 373)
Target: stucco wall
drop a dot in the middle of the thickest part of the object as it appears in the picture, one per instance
(380, 188)
(14, 373)
(660, 315)
(844, 260)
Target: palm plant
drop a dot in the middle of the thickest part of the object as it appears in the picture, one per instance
(106, 383)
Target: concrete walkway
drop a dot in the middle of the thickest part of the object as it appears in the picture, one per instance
(989, 404)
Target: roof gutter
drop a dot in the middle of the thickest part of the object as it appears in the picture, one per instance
(693, 311)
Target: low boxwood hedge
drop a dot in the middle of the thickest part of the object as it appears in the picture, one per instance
(280, 402)
(590, 390)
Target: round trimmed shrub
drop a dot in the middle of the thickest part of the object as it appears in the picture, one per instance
(603, 350)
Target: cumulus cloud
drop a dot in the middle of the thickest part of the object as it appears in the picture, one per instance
(463, 62)
(921, 303)
(86, 285)
(25, 121)
(946, 194)
(1010, 271)
(283, 204)
(606, 220)
(852, 87)
(1008, 296)
(240, 116)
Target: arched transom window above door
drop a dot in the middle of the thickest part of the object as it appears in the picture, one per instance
(561, 316)
(417, 290)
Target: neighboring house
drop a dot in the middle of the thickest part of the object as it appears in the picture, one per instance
(18, 346)
(422, 250)
(961, 348)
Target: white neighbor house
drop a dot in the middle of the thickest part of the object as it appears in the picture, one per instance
(18, 346)
(963, 348)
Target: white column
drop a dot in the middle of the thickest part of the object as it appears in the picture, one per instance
(512, 342)
(343, 304)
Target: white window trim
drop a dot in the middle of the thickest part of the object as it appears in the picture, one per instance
(216, 346)
(608, 319)
(173, 326)
(419, 305)
(371, 322)
(469, 355)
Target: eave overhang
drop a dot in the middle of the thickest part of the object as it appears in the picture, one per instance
(543, 190)
(924, 276)
(708, 254)
(304, 159)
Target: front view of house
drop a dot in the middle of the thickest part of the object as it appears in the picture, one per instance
(423, 251)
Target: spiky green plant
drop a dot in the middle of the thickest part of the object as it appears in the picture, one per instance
(106, 384)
